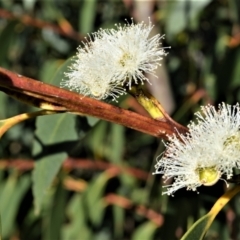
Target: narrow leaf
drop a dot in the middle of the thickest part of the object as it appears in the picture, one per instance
(145, 231)
(59, 74)
(87, 15)
(94, 200)
(6, 38)
(3, 105)
(199, 228)
(10, 197)
(56, 214)
(77, 227)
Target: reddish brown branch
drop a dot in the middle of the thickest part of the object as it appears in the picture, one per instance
(20, 87)
(73, 163)
(141, 209)
(79, 185)
(114, 199)
(64, 27)
(234, 41)
(19, 164)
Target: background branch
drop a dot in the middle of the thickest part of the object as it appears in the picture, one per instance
(64, 28)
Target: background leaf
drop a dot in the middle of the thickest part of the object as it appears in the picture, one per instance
(77, 226)
(199, 228)
(53, 129)
(56, 213)
(87, 16)
(3, 103)
(145, 231)
(184, 13)
(93, 197)
(6, 38)
(11, 194)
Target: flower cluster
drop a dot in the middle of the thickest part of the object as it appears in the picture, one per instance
(209, 150)
(113, 59)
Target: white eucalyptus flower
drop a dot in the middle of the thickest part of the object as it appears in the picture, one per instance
(209, 150)
(133, 52)
(89, 74)
(113, 59)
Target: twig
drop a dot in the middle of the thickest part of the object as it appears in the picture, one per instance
(75, 163)
(123, 202)
(64, 29)
(49, 97)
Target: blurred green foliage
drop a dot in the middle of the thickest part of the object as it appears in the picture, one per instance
(106, 190)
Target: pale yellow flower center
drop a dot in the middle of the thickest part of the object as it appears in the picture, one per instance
(97, 90)
(126, 57)
(233, 140)
(208, 176)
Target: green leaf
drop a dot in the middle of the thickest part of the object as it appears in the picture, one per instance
(49, 70)
(59, 74)
(236, 70)
(92, 120)
(77, 226)
(200, 227)
(56, 214)
(10, 196)
(145, 231)
(0, 228)
(93, 196)
(50, 130)
(179, 13)
(3, 105)
(97, 138)
(118, 218)
(6, 38)
(116, 146)
(87, 16)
